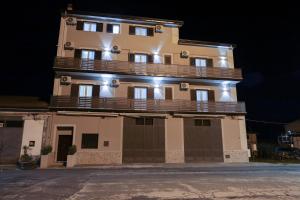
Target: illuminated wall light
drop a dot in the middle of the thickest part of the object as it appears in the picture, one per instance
(107, 54)
(105, 83)
(225, 92)
(223, 61)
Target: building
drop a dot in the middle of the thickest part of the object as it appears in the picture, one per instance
(23, 122)
(293, 128)
(128, 90)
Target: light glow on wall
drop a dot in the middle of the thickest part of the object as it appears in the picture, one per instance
(225, 92)
(107, 54)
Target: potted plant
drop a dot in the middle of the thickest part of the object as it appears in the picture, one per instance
(26, 161)
(45, 157)
(71, 159)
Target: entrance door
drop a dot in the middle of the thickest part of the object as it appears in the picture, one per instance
(64, 142)
(203, 140)
(143, 140)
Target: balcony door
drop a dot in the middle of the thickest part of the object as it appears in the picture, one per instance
(140, 96)
(87, 59)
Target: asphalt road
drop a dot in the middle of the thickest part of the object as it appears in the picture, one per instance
(142, 182)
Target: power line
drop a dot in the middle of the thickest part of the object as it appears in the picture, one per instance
(266, 122)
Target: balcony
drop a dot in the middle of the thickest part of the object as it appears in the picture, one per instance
(121, 104)
(146, 69)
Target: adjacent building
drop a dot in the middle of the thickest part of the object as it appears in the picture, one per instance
(129, 90)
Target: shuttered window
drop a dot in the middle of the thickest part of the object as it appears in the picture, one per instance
(201, 62)
(113, 28)
(141, 31)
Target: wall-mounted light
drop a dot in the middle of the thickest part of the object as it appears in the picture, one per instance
(106, 54)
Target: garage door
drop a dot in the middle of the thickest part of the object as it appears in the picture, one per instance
(143, 140)
(10, 141)
(203, 140)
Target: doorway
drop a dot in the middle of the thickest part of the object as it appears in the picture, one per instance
(65, 140)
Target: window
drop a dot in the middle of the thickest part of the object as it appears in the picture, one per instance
(159, 93)
(140, 58)
(144, 121)
(140, 93)
(87, 54)
(89, 141)
(201, 95)
(85, 90)
(106, 91)
(87, 26)
(200, 62)
(116, 28)
(202, 122)
(168, 59)
(141, 31)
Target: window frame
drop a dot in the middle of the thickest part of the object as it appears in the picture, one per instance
(88, 53)
(202, 90)
(141, 54)
(202, 122)
(200, 58)
(140, 27)
(90, 146)
(134, 89)
(91, 24)
(113, 25)
(85, 85)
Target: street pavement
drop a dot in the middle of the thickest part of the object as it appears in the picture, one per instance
(155, 182)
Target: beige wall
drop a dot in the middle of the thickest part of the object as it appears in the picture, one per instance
(174, 140)
(121, 91)
(234, 139)
(33, 131)
(109, 129)
(162, 43)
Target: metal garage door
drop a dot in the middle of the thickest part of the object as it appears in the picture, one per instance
(203, 140)
(143, 140)
(10, 141)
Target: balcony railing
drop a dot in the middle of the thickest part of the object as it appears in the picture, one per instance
(140, 105)
(146, 69)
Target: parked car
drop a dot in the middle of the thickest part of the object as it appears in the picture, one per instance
(283, 153)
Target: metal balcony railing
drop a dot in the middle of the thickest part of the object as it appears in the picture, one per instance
(140, 105)
(147, 69)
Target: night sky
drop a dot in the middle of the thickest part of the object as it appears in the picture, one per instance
(267, 39)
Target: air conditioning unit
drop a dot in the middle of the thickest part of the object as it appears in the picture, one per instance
(116, 49)
(115, 83)
(69, 46)
(71, 21)
(1, 124)
(184, 54)
(65, 80)
(158, 29)
(184, 86)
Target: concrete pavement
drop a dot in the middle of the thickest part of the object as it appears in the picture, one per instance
(153, 182)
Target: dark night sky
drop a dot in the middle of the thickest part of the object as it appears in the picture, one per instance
(267, 39)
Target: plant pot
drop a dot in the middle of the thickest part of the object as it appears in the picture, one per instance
(26, 165)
